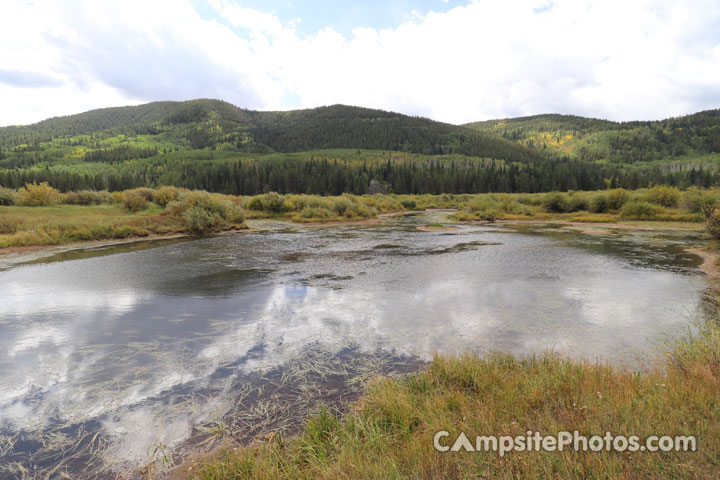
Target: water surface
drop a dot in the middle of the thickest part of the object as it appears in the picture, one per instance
(129, 352)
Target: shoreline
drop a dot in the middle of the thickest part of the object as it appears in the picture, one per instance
(11, 256)
(710, 261)
(42, 250)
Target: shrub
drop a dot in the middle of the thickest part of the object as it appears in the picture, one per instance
(485, 207)
(341, 204)
(32, 195)
(640, 210)
(87, 197)
(555, 202)
(164, 195)
(7, 196)
(577, 203)
(712, 221)
(361, 210)
(255, 203)
(599, 204)
(145, 193)
(697, 201)
(386, 203)
(133, 201)
(235, 214)
(200, 220)
(482, 203)
(273, 202)
(663, 195)
(409, 203)
(202, 210)
(508, 204)
(617, 198)
(311, 201)
(310, 213)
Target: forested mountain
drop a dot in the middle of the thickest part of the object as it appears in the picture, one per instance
(213, 145)
(212, 123)
(591, 139)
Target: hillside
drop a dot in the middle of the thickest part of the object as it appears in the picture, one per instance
(213, 145)
(198, 124)
(694, 136)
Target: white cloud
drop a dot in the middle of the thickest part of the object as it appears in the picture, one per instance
(614, 59)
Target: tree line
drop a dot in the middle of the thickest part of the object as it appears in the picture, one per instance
(323, 176)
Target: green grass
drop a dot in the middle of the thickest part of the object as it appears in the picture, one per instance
(389, 432)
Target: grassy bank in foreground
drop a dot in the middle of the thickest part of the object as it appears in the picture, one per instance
(40, 215)
(389, 433)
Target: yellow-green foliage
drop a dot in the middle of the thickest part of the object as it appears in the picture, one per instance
(663, 195)
(205, 211)
(132, 216)
(34, 194)
(389, 432)
(698, 200)
(200, 220)
(52, 225)
(712, 221)
(87, 197)
(133, 201)
(617, 198)
(7, 196)
(310, 208)
(640, 210)
(164, 195)
(218, 212)
(555, 202)
(599, 203)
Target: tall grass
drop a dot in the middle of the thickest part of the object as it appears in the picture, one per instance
(88, 215)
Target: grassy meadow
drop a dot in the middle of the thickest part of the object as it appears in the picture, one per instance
(37, 214)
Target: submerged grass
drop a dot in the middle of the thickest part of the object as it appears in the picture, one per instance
(389, 432)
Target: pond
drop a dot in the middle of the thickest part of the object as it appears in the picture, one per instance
(118, 356)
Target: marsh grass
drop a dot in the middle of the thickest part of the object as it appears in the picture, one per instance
(59, 224)
(140, 212)
(87, 216)
(389, 432)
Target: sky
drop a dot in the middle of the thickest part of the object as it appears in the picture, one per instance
(455, 61)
